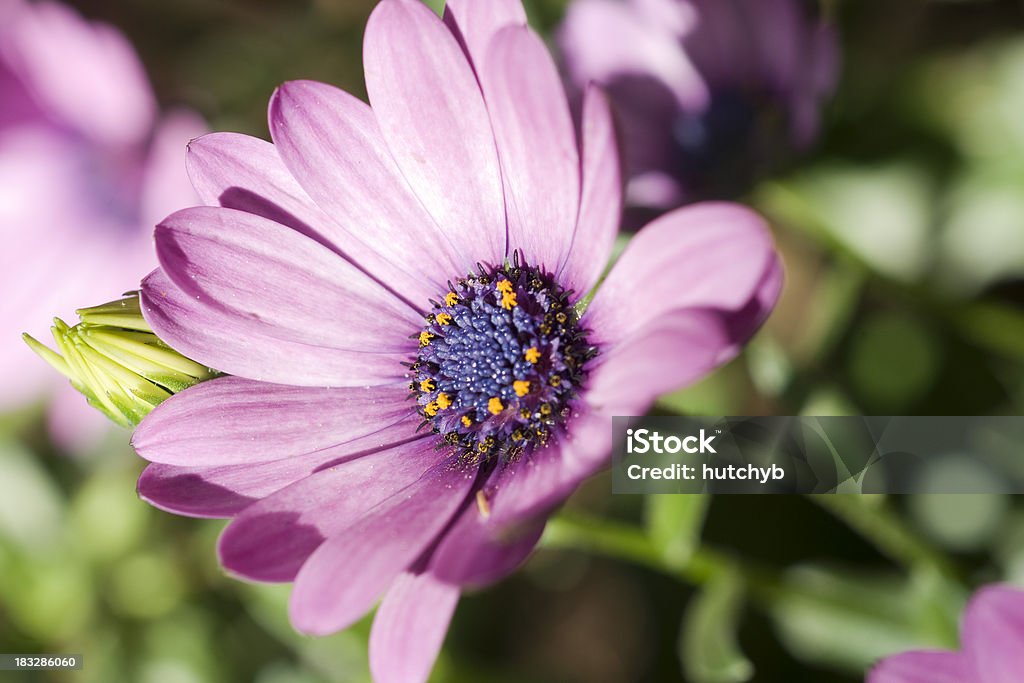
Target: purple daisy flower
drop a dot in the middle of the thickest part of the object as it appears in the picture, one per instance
(992, 646)
(711, 93)
(396, 293)
(87, 167)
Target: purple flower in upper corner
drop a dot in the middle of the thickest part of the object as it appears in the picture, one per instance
(992, 646)
(87, 167)
(396, 293)
(711, 95)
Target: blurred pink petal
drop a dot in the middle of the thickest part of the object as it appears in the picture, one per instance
(86, 168)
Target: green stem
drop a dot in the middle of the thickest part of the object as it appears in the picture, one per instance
(624, 542)
(877, 523)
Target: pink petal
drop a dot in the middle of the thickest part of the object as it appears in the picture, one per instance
(247, 348)
(476, 22)
(332, 144)
(723, 43)
(474, 552)
(410, 627)
(605, 39)
(19, 105)
(486, 543)
(226, 490)
(745, 322)
(601, 197)
(923, 667)
(533, 486)
(260, 273)
(779, 35)
(432, 116)
(536, 145)
(712, 255)
(213, 423)
(245, 173)
(666, 354)
(67, 62)
(993, 635)
(343, 578)
(271, 539)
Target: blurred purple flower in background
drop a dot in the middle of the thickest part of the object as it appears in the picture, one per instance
(992, 646)
(87, 166)
(395, 291)
(711, 94)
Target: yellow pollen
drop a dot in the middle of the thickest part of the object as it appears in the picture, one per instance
(494, 406)
(483, 505)
(427, 385)
(517, 435)
(508, 300)
(466, 421)
(521, 387)
(532, 354)
(504, 286)
(451, 298)
(524, 413)
(443, 318)
(425, 338)
(555, 380)
(545, 408)
(443, 401)
(430, 409)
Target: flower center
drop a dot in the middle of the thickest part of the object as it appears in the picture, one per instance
(501, 359)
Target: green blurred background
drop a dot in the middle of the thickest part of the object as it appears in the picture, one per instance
(903, 237)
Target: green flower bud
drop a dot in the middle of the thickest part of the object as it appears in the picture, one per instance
(116, 361)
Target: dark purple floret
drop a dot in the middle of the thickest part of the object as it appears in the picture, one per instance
(501, 359)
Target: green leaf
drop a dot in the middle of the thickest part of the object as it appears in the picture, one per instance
(994, 326)
(674, 523)
(708, 646)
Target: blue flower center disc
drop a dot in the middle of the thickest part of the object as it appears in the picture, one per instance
(502, 357)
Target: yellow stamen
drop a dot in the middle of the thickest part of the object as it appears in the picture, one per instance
(521, 387)
(483, 505)
(504, 286)
(524, 413)
(532, 354)
(508, 300)
(451, 298)
(494, 406)
(425, 338)
(443, 401)
(555, 380)
(443, 319)
(427, 385)
(466, 421)
(430, 409)
(545, 408)
(517, 435)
